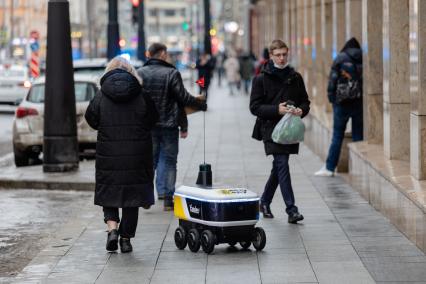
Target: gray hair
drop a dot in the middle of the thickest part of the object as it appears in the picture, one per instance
(120, 62)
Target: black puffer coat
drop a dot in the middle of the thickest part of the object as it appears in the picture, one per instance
(124, 117)
(269, 89)
(166, 89)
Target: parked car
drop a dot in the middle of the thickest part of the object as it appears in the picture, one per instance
(14, 83)
(96, 66)
(28, 124)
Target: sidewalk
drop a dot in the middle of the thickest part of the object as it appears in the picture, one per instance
(342, 240)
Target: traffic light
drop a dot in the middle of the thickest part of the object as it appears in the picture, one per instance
(135, 13)
(185, 26)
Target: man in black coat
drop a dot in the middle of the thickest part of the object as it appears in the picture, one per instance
(164, 84)
(273, 90)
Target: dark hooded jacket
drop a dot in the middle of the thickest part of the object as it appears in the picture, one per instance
(124, 117)
(166, 89)
(270, 88)
(350, 60)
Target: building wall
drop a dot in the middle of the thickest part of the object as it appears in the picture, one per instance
(389, 166)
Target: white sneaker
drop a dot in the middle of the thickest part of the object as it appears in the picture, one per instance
(323, 172)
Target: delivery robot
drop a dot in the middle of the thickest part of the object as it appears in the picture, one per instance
(213, 215)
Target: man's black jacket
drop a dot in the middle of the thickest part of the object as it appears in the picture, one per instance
(164, 84)
(269, 89)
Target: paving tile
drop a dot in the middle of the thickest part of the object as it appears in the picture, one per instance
(178, 276)
(342, 272)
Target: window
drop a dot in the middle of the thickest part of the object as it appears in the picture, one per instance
(169, 13)
(153, 12)
(83, 92)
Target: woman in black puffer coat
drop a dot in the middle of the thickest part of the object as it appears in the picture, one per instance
(123, 115)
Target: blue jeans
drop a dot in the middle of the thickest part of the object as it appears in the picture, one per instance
(280, 174)
(165, 142)
(341, 115)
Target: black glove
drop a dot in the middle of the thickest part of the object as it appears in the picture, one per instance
(202, 106)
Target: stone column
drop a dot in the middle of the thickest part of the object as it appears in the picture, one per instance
(372, 45)
(286, 22)
(293, 32)
(396, 79)
(339, 28)
(279, 18)
(318, 89)
(327, 45)
(300, 36)
(418, 91)
(353, 19)
(308, 38)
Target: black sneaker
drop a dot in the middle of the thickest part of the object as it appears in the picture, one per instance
(266, 210)
(295, 217)
(125, 245)
(112, 240)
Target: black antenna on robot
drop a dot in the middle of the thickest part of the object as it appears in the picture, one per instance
(205, 172)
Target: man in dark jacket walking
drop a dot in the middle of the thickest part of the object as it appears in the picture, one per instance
(345, 93)
(277, 87)
(164, 84)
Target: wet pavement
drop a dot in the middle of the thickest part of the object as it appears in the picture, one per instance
(342, 239)
(28, 218)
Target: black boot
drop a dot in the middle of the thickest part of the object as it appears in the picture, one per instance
(293, 218)
(112, 240)
(125, 245)
(168, 203)
(266, 210)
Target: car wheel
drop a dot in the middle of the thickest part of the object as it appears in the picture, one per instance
(22, 159)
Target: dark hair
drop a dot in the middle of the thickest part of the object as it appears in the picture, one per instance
(277, 44)
(156, 48)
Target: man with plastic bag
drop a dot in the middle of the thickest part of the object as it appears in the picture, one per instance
(273, 90)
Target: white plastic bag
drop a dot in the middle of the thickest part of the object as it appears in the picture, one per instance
(289, 130)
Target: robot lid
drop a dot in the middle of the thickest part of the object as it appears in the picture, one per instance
(217, 194)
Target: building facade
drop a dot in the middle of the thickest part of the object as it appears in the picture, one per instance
(389, 166)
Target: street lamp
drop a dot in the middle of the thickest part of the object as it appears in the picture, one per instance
(60, 146)
(113, 35)
(207, 24)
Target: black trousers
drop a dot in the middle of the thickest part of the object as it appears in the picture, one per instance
(280, 175)
(129, 220)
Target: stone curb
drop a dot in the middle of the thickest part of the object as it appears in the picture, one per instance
(49, 185)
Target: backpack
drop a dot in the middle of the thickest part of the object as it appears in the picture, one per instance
(349, 85)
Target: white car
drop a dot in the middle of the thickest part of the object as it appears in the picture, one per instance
(28, 124)
(14, 83)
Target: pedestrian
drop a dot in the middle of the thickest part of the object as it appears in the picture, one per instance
(205, 67)
(276, 85)
(220, 59)
(246, 70)
(232, 70)
(123, 115)
(345, 94)
(165, 86)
